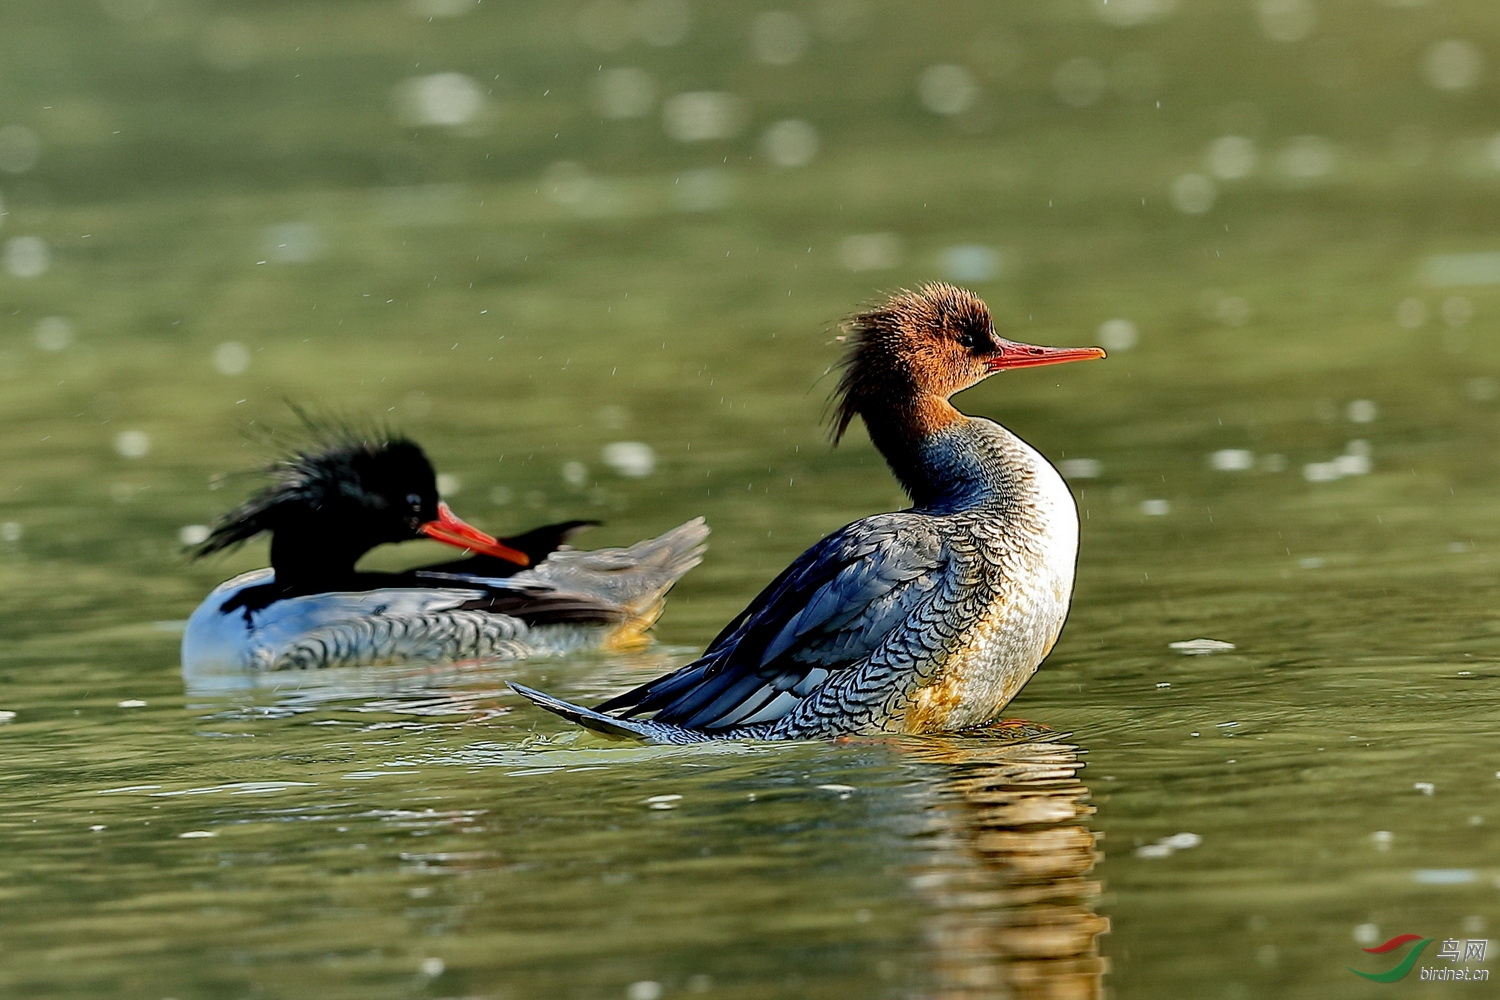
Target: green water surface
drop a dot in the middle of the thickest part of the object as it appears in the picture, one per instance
(1281, 216)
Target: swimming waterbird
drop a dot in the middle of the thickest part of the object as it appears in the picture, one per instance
(927, 619)
(329, 504)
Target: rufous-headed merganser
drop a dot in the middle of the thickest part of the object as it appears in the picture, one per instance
(328, 505)
(922, 620)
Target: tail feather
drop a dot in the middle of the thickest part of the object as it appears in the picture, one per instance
(629, 729)
(636, 578)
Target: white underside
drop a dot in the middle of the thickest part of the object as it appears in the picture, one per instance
(215, 641)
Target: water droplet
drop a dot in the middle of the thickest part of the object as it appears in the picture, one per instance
(193, 534)
(662, 22)
(444, 99)
(946, 89)
(1307, 158)
(1362, 411)
(870, 251)
(1080, 468)
(624, 92)
(575, 473)
(970, 262)
(646, 989)
(448, 484)
(790, 143)
(1156, 508)
(27, 256)
(778, 37)
(632, 459)
(1453, 64)
(19, 149)
(1129, 13)
(1232, 460)
(133, 444)
(53, 333)
(703, 115)
(1286, 20)
(1231, 157)
(1411, 314)
(432, 967)
(1194, 194)
(1117, 335)
(231, 358)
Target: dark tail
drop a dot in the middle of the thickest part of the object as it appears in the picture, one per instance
(627, 729)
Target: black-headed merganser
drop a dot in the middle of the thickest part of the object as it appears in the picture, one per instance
(326, 506)
(923, 620)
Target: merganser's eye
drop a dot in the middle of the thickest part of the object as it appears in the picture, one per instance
(414, 501)
(973, 340)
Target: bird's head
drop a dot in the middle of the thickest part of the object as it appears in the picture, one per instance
(928, 344)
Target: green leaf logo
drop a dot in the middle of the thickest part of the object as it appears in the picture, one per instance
(1405, 964)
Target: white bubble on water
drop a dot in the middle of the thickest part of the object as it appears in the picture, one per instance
(703, 115)
(133, 444)
(1232, 310)
(662, 22)
(1321, 472)
(1482, 388)
(1231, 157)
(193, 534)
(1129, 13)
(947, 89)
(19, 149)
(778, 37)
(1352, 465)
(11, 531)
(1232, 460)
(27, 256)
(1182, 841)
(567, 183)
(1286, 20)
(1364, 934)
(1079, 82)
(1193, 194)
(1411, 314)
(1156, 507)
(970, 262)
(1453, 64)
(449, 484)
(1153, 851)
(632, 459)
(646, 989)
(790, 143)
(1362, 411)
(440, 8)
(1080, 468)
(53, 333)
(431, 968)
(624, 92)
(1118, 334)
(705, 190)
(231, 358)
(1307, 158)
(870, 251)
(575, 473)
(443, 99)
(293, 242)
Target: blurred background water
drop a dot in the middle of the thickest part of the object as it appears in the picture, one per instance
(593, 255)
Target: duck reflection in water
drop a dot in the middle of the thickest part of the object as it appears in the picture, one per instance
(1007, 852)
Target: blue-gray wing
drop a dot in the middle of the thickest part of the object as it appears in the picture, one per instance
(832, 607)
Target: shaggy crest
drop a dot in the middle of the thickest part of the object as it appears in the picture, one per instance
(887, 341)
(336, 460)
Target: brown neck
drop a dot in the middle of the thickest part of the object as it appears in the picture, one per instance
(906, 421)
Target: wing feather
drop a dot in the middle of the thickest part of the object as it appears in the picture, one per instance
(828, 611)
